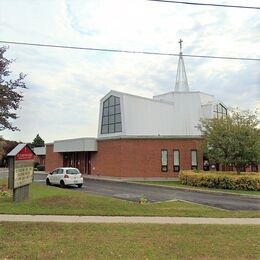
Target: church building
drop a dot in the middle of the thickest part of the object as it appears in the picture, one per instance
(142, 137)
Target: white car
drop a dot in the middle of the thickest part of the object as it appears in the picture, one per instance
(65, 176)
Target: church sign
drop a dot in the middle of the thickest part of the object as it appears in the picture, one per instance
(21, 165)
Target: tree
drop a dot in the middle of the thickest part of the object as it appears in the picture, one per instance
(233, 140)
(5, 147)
(10, 96)
(37, 141)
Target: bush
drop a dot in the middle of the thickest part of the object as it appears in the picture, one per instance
(221, 181)
(40, 167)
(36, 164)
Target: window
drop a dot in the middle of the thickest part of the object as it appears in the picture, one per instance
(72, 171)
(194, 161)
(176, 160)
(254, 168)
(220, 111)
(111, 116)
(164, 160)
(60, 171)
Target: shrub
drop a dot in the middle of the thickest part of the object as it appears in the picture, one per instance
(221, 181)
(40, 167)
(36, 164)
(4, 191)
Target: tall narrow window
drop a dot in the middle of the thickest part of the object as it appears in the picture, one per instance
(194, 160)
(220, 110)
(164, 160)
(176, 160)
(111, 116)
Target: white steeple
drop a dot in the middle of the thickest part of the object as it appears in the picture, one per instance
(181, 83)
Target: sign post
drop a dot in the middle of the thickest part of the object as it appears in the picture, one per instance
(21, 165)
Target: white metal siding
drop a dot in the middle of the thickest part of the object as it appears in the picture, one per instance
(170, 114)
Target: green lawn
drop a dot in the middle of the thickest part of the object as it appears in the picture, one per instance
(57, 201)
(178, 184)
(128, 241)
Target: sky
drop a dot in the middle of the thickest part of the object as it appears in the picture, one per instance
(65, 86)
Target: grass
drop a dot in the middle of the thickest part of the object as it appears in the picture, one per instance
(178, 184)
(55, 201)
(128, 241)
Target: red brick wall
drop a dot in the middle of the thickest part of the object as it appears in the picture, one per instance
(142, 158)
(40, 159)
(107, 161)
(53, 160)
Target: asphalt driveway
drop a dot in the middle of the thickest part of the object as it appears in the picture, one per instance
(133, 191)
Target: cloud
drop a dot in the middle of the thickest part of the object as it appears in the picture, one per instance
(65, 86)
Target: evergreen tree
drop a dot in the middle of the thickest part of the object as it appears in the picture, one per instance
(37, 141)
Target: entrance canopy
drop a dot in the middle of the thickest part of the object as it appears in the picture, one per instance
(76, 145)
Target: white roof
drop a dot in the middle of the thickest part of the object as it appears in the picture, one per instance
(40, 150)
(17, 149)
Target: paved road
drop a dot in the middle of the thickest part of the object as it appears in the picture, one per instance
(132, 192)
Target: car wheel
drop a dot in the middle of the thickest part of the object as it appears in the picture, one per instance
(62, 184)
(48, 182)
(79, 185)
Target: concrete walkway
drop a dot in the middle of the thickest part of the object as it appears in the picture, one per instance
(121, 219)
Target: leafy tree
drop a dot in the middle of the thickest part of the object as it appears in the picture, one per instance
(5, 147)
(10, 96)
(234, 139)
(37, 141)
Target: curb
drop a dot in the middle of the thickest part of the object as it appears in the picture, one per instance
(197, 190)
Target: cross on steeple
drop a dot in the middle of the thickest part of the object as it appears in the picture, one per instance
(180, 42)
(181, 84)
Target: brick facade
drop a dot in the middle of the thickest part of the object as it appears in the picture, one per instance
(39, 159)
(52, 160)
(142, 157)
(130, 157)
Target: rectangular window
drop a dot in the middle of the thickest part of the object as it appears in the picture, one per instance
(105, 120)
(220, 110)
(118, 118)
(111, 119)
(164, 160)
(118, 127)
(117, 109)
(194, 160)
(111, 110)
(104, 129)
(105, 112)
(111, 128)
(176, 160)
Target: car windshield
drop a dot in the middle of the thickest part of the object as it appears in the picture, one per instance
(72, 171)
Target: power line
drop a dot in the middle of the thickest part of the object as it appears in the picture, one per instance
(129, 52)
(204, 4)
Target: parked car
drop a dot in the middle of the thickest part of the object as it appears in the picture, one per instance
(65, 176)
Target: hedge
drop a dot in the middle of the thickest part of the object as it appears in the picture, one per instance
(40, 167)
(221, 181)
